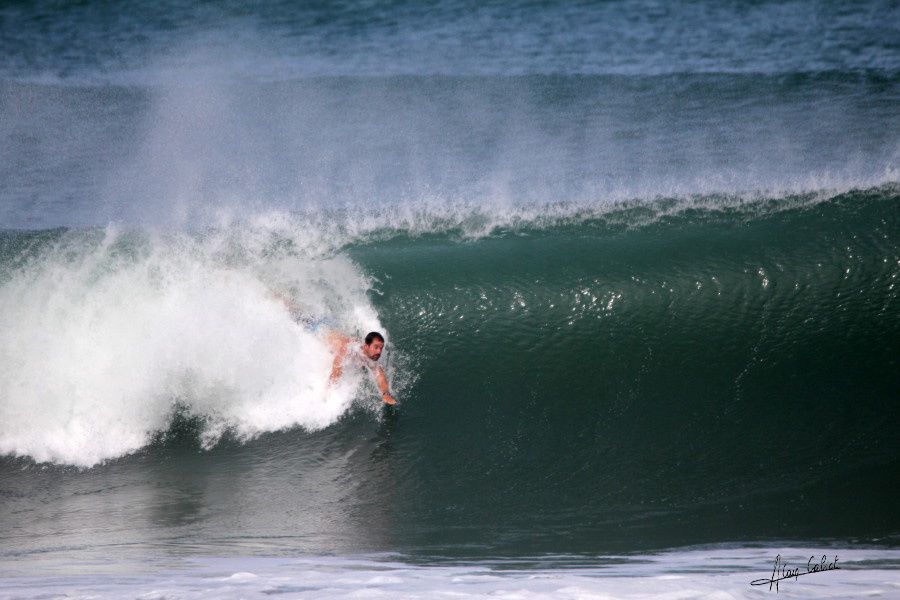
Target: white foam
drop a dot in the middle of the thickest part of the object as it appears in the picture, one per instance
(100, 338)
(686, 574)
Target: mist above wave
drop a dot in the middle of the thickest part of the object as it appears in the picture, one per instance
(202, 149)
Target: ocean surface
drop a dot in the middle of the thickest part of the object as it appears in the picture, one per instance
(636, 263)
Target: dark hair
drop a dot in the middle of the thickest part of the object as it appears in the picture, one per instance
(374, 335)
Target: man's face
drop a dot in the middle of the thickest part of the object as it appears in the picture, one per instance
(374, 349)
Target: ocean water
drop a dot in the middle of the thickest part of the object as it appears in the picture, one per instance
(636, 264)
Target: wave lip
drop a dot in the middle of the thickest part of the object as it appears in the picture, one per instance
(328, 231)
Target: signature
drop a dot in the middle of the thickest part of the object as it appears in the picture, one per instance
(782, 571)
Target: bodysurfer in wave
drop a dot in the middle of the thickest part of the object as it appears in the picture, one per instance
(366, 355)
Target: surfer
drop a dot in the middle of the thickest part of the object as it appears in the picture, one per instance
(366, 355)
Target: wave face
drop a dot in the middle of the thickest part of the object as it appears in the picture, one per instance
(631, 373)
(711, 358)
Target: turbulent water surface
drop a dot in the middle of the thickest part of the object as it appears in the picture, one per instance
(636, 264)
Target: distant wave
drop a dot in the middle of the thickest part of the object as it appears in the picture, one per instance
(282, 39)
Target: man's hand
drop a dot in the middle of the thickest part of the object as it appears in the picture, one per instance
(382, 383)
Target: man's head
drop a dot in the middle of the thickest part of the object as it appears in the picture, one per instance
(373, 346)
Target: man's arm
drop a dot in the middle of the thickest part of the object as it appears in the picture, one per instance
(339, 345)
(382, 382)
